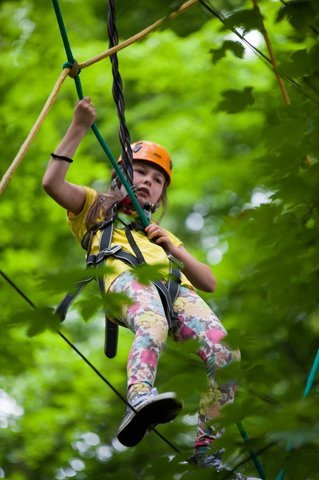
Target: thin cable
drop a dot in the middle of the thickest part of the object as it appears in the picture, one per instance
(17, 289)
(267, 60)
(222, 18)
(312, 375)
(87, 361)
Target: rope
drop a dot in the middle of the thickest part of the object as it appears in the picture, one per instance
(123, 399)
(143, 33)
(94, 127)
(271, 52)
(33, 132)
(72, 68)
(87, 361)
(253, 454)
(117, 89)
(238, 465)
(267, 60)
(308, 387)
(138, 36)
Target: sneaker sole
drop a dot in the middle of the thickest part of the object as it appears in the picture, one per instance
(160, 409)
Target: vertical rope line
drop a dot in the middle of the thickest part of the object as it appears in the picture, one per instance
(63, 31)
(117, 89)
(264, 32)
(95, 130)
(312, 375)
(252, 453)
(309, 384)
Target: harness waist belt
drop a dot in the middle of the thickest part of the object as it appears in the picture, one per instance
(167, 292)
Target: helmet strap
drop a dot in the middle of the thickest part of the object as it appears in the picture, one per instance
(151, 207)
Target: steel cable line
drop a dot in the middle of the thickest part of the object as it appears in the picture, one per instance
(88, 362)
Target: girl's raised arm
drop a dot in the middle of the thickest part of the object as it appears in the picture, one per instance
(66, 194)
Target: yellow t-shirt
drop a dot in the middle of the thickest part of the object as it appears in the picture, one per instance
(152, 253)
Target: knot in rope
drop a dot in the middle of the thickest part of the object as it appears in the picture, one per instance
(74, 68)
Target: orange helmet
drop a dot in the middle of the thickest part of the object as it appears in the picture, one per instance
(153, 153)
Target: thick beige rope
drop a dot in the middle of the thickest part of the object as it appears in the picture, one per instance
(138, 36)
(65, 72)
(34, 130)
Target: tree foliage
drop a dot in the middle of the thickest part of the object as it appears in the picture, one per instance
(244, 198)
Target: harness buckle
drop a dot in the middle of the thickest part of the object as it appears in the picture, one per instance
(174, 260)
(91, 260)
(107, 252)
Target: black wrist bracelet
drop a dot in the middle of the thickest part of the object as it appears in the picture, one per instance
(61, 157)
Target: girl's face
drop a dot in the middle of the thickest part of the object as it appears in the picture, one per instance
(149, 182)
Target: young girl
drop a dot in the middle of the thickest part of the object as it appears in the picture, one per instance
(146, 317)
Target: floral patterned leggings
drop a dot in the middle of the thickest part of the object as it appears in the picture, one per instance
(195, 320)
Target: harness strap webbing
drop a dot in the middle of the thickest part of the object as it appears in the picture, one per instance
(139, 256)
(167, 292)
(63, 307)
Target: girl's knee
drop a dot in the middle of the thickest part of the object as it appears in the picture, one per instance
(155, 327)
(149, 341)
(218, 355)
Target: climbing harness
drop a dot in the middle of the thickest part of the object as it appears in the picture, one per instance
(168, 292)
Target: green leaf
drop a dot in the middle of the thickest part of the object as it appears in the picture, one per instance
(298, 65)
(115, 303)
(247, 19)
(300, 13)
(296, 437)
(147, 273)
(67, 280)
(236, 101)
(38, 320)
(235, 47)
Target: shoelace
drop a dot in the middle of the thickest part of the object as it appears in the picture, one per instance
(139, 397)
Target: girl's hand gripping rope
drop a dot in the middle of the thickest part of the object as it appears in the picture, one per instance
(159, 236)
(84, 113)
(197, 272)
